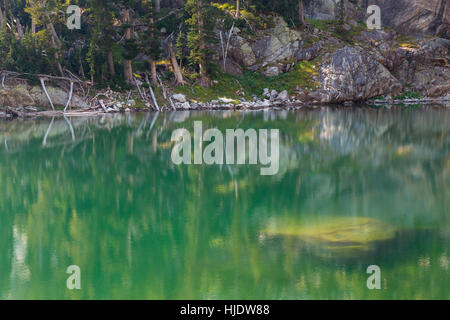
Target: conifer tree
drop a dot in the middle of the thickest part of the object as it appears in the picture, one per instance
(200, 33)
(130, 46)
(103, 14)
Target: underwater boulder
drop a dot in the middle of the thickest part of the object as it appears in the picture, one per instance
(335, 236)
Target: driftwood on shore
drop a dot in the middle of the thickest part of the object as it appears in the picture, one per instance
(42, 80)
(67, 83)
(71, 78)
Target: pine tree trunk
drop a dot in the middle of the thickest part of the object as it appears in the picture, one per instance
(112, 71)
(301, 14)
(1, 16)
(56, 43)
(52, 30)
(153, 69)
(154, 79)
(5, 4)
(202, 46)
(55, 46)
(238, 8)
(176, 68)
(128, 70)
(157, 5)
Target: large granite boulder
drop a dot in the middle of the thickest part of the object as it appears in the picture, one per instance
(273, 51)
(351, 74)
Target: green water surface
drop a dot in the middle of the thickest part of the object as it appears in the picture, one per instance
(356, 187)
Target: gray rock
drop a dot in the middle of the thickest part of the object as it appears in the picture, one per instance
(425, 67)
(178, 97)
(241, 51)
(21, 95)
(265, 103)
(351, 74)
(231, 67)
(429, 16)
(283, 96)
(274, 46)
(226, 100)
(271, 71)
(184, 105)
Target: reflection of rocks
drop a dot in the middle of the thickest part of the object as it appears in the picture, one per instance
(346, 132)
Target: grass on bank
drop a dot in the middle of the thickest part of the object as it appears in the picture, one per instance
(405, 41)
(253, 83)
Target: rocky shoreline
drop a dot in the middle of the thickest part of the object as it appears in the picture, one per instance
(273, 100)
(284, 67)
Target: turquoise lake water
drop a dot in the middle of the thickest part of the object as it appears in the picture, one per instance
(355, 187)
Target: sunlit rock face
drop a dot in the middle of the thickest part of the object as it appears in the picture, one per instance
(426, 68)
(322, 10)
(430, 16)
(351, 74)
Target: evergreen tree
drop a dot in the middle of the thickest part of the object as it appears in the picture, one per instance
(200, 33)
(103, 14)
(151, 43)
(130, 46)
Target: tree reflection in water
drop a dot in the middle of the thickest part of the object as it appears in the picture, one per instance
(102, 193)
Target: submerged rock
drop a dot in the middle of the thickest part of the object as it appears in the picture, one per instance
(342, 236)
